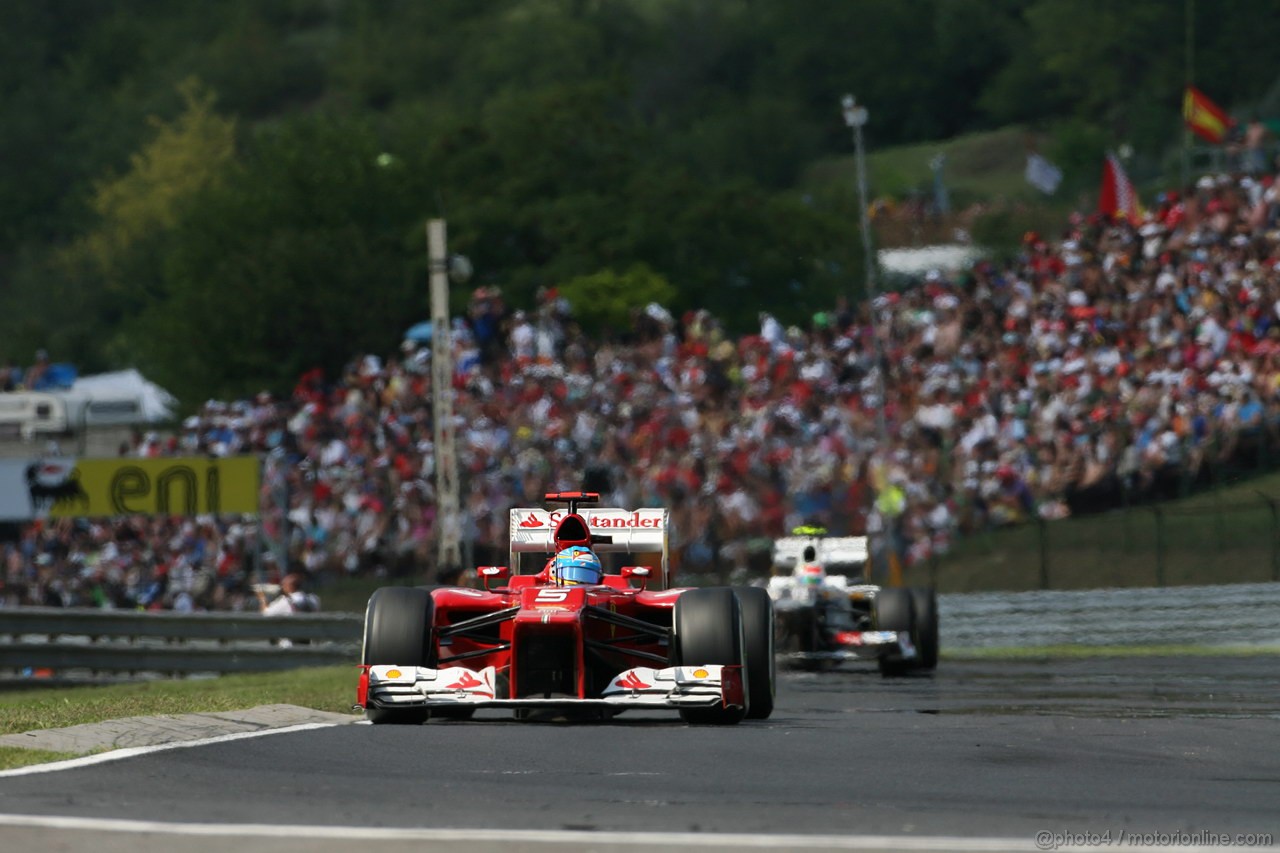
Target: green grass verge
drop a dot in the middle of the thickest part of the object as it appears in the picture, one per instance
(323, 688)
(16, 756)
(1081, 651)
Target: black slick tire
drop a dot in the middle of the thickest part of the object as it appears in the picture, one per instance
(924, 605)
(397, 630)
(893, 612)
(708, 630)
(758, 632)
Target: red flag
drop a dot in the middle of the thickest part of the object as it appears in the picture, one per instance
(1117, 197)
(1206, 119)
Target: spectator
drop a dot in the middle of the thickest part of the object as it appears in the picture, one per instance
(292, 598)
(34, 376)
(1255, 141)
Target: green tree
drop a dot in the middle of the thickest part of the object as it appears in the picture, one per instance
(560, 138)
(300, 258)
(138, 208)
(604, 300)
(73, 299)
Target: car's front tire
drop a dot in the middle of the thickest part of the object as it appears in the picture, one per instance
(758, 631)
(397, 631)
(708, 630)
(893, 612)
(924, 605)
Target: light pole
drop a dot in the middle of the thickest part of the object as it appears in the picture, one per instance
(855, 116)
(448, 512)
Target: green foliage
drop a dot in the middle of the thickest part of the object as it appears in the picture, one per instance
(1000, 230)
(297, 259)
(225, 249)
(1078, 148)
(606, 299)
(182, 158)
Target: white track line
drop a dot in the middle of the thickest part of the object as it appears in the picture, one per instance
(543, 836)
(134, 751)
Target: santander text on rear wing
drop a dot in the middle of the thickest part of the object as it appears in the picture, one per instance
(630, 531)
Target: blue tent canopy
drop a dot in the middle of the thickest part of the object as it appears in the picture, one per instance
(419, 333)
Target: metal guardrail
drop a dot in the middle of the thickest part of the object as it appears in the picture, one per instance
(62, 639)
(103, 641)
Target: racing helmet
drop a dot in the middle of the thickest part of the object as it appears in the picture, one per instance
(577, 565)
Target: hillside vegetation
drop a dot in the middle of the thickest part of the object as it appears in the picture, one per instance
(226, 194)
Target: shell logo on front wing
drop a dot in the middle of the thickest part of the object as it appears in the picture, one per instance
(393, 673)
(700, 673)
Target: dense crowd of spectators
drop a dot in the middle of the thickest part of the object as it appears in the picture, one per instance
(1115, 362)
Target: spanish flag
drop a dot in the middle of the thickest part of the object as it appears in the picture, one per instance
(1205, 118)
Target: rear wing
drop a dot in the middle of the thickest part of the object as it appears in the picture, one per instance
(626, 531)
(832, 551)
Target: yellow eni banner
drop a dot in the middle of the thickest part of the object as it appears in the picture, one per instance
(175, 486)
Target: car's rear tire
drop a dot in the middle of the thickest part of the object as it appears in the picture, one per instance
(893, 612)
(708, 630)
(397, 630)
(758, 631)
(924, 605)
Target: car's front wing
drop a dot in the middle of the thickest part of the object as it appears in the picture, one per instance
(672, 687)
(865, 645)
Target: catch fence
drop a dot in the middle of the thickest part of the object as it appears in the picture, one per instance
(1209, 539)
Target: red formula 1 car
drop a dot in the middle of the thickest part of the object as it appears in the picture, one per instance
(587, 650)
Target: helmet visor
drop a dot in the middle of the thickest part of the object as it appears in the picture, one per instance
(579, 575)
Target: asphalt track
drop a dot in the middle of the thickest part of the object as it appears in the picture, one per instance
(984, 750)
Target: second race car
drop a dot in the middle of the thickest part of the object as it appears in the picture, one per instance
(825, 618)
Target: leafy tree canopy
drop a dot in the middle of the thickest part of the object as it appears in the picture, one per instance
(266, 215)
(606, 299)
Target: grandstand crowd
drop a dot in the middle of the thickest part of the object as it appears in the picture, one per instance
(1112, 363)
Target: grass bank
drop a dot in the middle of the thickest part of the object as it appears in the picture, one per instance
(1229, 535)
(323, 688)
(983, 165)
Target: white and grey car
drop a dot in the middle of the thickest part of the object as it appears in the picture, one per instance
(824, 618)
